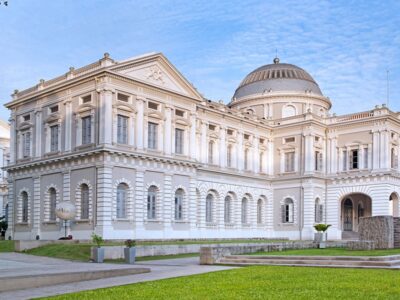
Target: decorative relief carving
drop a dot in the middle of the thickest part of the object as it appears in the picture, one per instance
(156, 74)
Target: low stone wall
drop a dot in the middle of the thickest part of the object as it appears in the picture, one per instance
(378, 229)
(360, 245)
(396, 225)
(21, 245)
(212, 255)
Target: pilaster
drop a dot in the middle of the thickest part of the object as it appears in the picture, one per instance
(140, 122)
(192, 138)
(104, 196)
(168, 131)
(105, 112)
(68, 125)
(36, 220)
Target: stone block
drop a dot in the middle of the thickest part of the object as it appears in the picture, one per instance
(378, 229)
(360, 245)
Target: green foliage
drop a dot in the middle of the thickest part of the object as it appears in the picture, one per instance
(97, 239)
(3, 226)
(261, 282)
(130, 243)
(322, 227)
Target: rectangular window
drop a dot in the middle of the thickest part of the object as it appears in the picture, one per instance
(211, 127)
(179, 141)
(353, 159)
(27, 117)
(152, 135)
(122, 97)
(26, 144)
(179, 113)
(290, 140)
(54, 109)
(318, 161)
(86, 130)
(229, 132)
(152, 105)
(54, 138)
(289, 162)
(344, 160)
(87, 99)
(122, 129)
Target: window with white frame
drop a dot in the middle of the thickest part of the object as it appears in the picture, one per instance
(122, 97)
(86, 130)
(393, 159)
(122, 196)
(344, 153)
(179, 194)
(122, 129)
(318, 211)
(25, 207)
(26, 144)
(227, 209)
(152, 135)
(209, 208)
(179, 136)
(353, 159)
(54, 138)
(288, 211)
(289, 161)
(211, 152)
(261, 162)
(318, 160)
(244, 211)
(229, 156)
(260, 212)
(52, 204)
(151, 202)
(84, 201)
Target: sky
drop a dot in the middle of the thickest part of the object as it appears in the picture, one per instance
(347, 46)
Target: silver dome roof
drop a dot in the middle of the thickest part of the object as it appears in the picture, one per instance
(277, 77)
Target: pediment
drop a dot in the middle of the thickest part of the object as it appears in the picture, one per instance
(156, 70)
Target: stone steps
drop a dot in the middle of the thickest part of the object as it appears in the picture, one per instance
(318, 261)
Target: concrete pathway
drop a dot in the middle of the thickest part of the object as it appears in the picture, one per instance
(15, 263)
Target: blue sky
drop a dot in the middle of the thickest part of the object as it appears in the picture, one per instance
(347, 46)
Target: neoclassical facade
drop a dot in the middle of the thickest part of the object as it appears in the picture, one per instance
(142, 154)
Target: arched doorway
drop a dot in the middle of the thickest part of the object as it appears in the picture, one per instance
(353, 207)
(394, 205)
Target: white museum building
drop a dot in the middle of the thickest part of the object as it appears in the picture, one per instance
(142, 154)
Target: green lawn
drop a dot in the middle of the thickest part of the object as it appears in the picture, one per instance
(81, 252)
(259, 282)
(6, 246)
(332, 252)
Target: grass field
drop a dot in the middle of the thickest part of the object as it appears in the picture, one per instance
(6, 246)
(81, 252)
(259, 282)
(332, 252)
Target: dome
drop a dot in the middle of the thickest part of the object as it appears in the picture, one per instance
(277, 77)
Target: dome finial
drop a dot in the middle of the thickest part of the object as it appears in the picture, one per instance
(276, 60)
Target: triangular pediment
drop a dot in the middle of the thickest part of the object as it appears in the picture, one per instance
(156, 70)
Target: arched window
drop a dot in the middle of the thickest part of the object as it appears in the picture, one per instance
(52, 204)
(288, 111)
(179, 204)
(260, 213)
(318, 211)
(288, 211)
(25, 206)
(229, 156)
(246, 159)
(227, 209)
(122, 196)
(211, 152)
(209, 208)
(151, 202)
(84, 201)
(244, 210)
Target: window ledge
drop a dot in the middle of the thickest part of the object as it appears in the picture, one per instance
(83, 221)
(52, 153)
(149, 221)
(180, 221)
(211, 224)
(50, 222)
(125, 220)
(22, 223)
(287, 224)
(84, 146)
(246, 225)
(229, 225)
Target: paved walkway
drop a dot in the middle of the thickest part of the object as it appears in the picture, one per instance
(18, 264)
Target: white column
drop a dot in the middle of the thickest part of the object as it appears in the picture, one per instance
(139, 123)
(168, 131)
(167, 213)
(68, 125)
(256, 154)
(370, 156)
(265, 111)
(240, 151)
(222, 151)
(361, 157)
(204, 144)
(309, 154)
(270, 160)
(282, 161)
(13, 139)
(308, 210)
(193, 144)
(384, 150)
(66, 195)
(11, 209)
(334, 155)
(105, 113)
(38, 133)
(341, 159)
(131, 130)
(36, 208)
(375, 150)
(140, 202)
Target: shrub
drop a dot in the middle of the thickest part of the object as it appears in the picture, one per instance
(322, 227)
(130, 243)
(97, 239)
